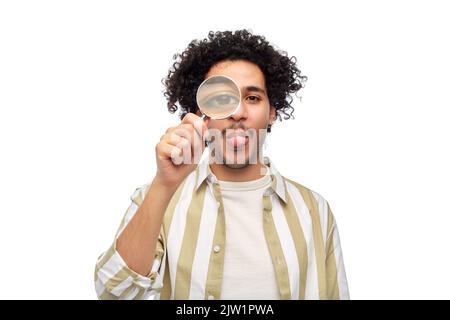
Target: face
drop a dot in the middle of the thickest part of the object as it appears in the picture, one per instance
(240, 137)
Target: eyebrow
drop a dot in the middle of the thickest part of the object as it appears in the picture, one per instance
(255, 88)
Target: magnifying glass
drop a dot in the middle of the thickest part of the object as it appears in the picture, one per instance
(218, 97)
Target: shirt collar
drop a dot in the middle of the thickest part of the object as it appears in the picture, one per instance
(203, 172)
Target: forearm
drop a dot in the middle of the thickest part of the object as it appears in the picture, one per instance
(137, 242)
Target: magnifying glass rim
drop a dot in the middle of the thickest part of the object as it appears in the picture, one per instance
(215, 76)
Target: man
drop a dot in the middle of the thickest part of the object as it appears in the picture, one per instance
(228, 227)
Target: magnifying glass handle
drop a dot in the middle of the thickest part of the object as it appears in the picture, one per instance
(203, 117)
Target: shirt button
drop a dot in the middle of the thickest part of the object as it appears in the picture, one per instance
(210, 297)
(216, 248)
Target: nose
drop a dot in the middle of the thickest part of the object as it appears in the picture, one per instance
(240, 113)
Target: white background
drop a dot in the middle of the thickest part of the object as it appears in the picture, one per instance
(82, 109)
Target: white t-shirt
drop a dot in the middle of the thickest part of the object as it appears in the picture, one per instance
(248, 269)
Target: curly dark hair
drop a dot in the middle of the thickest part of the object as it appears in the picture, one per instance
(282, 76)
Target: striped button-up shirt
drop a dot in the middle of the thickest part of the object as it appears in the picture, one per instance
(299, 227)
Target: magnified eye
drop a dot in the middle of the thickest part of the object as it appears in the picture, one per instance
(220, 100)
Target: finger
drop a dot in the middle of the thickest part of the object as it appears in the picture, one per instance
(170, 129)
(187, 140)
(186, 131)
(187, 137)
(168, 151)
(197, 122)
(173, 138)
(177, 140)
(190, 118)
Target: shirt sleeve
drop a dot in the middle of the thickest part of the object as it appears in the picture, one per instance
(115, 280)
(337, 287)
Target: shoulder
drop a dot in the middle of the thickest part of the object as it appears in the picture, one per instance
(306, 192)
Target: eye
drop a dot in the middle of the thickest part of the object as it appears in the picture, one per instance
(254, 99)
(220, 100)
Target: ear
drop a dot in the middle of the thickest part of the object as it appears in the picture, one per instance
(272, 114)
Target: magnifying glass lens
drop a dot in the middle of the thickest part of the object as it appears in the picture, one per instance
(218, 97)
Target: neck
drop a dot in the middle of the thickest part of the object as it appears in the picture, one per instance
(247, 173)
